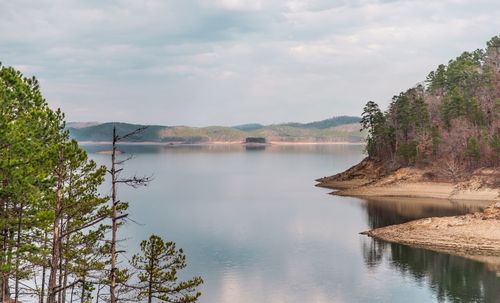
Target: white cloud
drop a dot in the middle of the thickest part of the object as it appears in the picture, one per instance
(240, 4)
(236, 61)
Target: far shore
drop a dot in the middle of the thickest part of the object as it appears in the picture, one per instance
(316, 143)
(220, 143)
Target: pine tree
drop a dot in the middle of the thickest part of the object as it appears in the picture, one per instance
(158, 266)
(28, 129)
(77, 207)
(371, 119)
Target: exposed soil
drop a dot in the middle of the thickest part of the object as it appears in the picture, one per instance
(370, 179)
(475, 236)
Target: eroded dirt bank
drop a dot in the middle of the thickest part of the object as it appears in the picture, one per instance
(369, 179)
(475, 236)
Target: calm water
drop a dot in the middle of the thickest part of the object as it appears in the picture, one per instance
(257, 230)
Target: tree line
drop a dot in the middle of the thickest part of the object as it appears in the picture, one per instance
(58, 234)
(451, 122)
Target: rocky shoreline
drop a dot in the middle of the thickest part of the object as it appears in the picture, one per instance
(474, 236)
(369, 179)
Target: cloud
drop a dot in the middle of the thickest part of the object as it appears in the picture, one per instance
(234, 61)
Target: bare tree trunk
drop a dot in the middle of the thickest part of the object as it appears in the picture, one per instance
(5, 234)
(65, 280)
(18, 246)
(54, 262)
(82, 299)
(9, 261)
(114, 227)
(116, 214)
(71, 294)
(44, 269)
(5, 292)
(61, 258)
(150, 281)
(98, 293)
(66, 245)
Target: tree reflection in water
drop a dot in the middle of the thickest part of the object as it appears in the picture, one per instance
(452, 278)
(389, 210)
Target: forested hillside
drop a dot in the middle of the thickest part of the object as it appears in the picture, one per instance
(104, 131)
(450, 122)
(342, 128)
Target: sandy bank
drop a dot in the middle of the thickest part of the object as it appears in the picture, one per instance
(419, 190)
(474, 236)
(367, 179)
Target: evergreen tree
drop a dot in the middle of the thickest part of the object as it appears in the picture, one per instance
(28, 129)
(473, 150)
(373, 121)
(48, 193)
(52, 218)
(158, 266)
(456, 117)
(76, 206)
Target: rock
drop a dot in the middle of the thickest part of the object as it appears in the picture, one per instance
(426, 221)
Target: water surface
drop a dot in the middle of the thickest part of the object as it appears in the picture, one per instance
(257, 230)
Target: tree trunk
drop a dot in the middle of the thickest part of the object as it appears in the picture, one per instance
(56, 238)
(61, 258)
(9, 261)
(114, 227)
(54, 262)
(18, 246)
(44, 269)
(65, 281)
(5, 292)
(82, 299)
(71, 294)
(98, 293)
(150, 282)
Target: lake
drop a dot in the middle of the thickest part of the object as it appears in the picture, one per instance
(255, 227)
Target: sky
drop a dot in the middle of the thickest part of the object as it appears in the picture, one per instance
(229, 62)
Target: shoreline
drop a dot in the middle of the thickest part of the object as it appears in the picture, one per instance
(475, 236)
(220, 143)
(368, 179)
(434, 190)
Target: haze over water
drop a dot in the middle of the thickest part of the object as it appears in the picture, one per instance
(257, 230)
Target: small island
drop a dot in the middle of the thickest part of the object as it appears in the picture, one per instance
(255, 140)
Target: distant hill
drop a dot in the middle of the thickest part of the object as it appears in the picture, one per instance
(249, 127)
(80, 124)
(327, 123)
(104, 131)
(336, 129)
